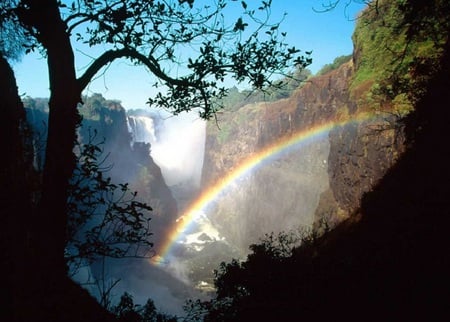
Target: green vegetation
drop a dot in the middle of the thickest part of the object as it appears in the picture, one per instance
(388, 261)
(277, 90)
(36, 103)
(244, 288)
(337, 62)
(93, 106)
(150, 34)
(127, 311)
(392, 263)
(388, 57)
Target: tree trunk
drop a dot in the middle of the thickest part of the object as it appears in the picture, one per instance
(60, 161)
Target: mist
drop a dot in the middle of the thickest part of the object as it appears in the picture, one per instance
(282, 195)
(177, 144)
(179, 149)
(240, 216)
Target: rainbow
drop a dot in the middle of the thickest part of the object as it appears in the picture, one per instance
(197, 207)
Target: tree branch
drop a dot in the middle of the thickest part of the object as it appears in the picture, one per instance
(110, 55)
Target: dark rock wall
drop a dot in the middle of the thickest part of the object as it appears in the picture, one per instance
(360, 154)
(134, 165)
(322, 181)
(355, 156)
(126, 163)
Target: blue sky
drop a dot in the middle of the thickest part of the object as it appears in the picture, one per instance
(327, 35)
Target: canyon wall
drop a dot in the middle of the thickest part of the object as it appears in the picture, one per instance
(321, 182)
(124, 158)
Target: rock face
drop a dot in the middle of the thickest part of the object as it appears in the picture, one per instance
(131, 162)
(283, 192)
(238, 134)
(360, 154)
(322, 181)
(127, 163)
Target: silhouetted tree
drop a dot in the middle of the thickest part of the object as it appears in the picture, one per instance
(127, 311)
(104, 218)
(149, 34)
(149, 312)
(258, 288)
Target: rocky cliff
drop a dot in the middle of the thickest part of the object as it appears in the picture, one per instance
(360, 154)
(321, 182)
(302, 185)
(391, 262)
(125, 161)
(131, 162)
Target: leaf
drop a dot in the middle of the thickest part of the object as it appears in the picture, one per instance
(240, 25)
(244, 5)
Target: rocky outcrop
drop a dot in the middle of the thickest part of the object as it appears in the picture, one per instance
(238, 134)
(133, 164)
(360, 154)
(322, 182)
(284, 192)
(122, 161)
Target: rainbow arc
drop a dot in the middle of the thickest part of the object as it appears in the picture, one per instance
(248, 165)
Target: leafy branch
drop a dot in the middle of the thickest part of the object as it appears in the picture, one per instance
(105, 219)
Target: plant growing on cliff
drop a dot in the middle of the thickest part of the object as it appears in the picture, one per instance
(337, 62)
(393, 62)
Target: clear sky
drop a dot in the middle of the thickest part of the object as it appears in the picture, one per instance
(326, 34)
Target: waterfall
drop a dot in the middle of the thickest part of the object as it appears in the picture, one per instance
(177, 145)
(142, 129)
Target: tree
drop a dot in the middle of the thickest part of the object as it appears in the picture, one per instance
(104, 218)
(12, 35)
(259, 287)
(149, 312)
(127, 311)
(149, 34)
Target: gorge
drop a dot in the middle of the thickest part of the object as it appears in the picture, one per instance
(318, 177)
(346, 150)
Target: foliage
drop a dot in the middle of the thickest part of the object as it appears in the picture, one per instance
(392, 65)
(36, 103)
(246, 286)
(279, 89)
(12, 36)
(94, 105)
(337, 62)
(105, 219)
(156, 34)
(127, 311)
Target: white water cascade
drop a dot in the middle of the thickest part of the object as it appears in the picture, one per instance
(142, 129)
(177, 144)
